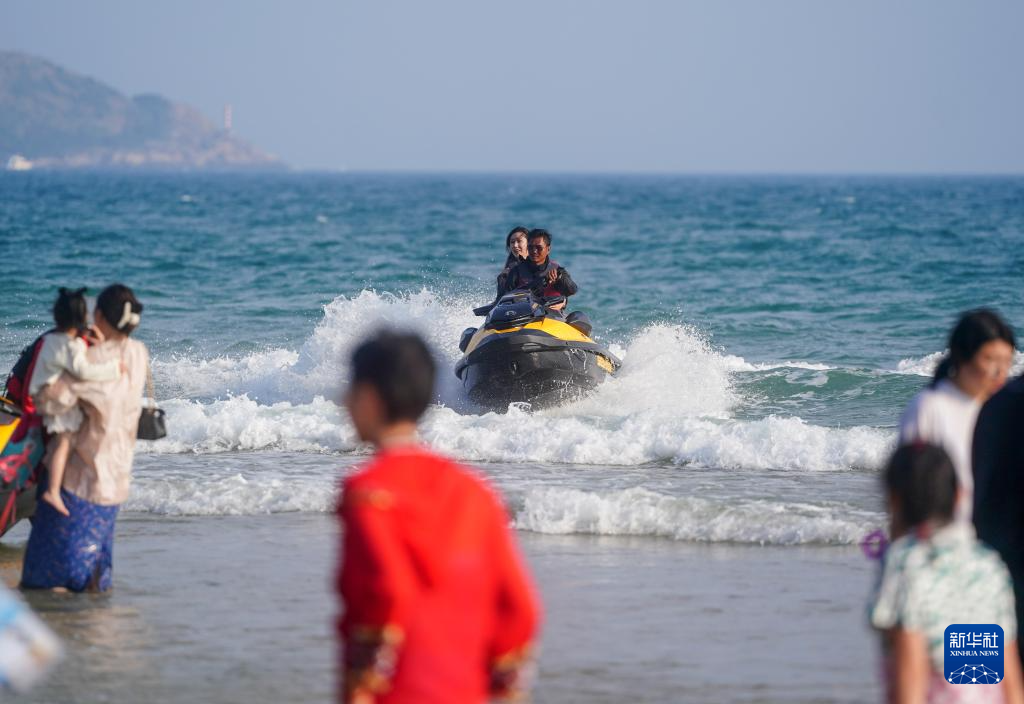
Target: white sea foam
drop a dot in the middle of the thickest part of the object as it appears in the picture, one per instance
(920, 366)
(639, 511)
(320, 366)
(738, 364)
(668, 370)
(256, 374)
(240, 423)
(234, 495)
(925, 366)
(556, 510)
(639, 438)
(672, 401)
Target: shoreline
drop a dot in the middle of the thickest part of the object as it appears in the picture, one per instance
(249, 617)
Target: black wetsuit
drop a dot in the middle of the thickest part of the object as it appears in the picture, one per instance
(511, 263)
(529, 276)
(998, 464)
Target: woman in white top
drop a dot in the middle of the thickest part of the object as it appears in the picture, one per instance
(76, 551)
(63, 352)
(981, 349)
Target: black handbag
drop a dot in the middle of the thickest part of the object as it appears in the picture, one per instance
(151, 422)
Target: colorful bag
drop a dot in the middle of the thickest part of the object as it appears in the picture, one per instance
(22, 441)
(21, 450)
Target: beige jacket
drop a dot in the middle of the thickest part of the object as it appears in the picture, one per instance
(99, 469)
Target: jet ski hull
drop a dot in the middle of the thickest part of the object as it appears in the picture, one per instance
(527, 366)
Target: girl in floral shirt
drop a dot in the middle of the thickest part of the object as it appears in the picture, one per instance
(936, 573)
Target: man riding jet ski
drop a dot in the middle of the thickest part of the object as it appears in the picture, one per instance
(539, 273)
(526, 350)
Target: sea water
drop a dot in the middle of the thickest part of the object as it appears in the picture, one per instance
(771, 329)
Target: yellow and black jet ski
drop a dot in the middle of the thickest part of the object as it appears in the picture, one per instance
(527, 352)
(21, 450)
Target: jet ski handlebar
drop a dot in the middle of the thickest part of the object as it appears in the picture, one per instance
(545, 302)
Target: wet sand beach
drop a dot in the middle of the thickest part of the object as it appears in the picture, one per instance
(239, 609)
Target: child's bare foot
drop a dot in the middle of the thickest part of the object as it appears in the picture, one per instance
(58, 503)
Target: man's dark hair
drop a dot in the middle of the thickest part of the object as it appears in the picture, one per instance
(400, 367)
(922, 478)
(69, 310)
(539, 233)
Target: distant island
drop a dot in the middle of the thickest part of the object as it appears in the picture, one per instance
(52, 118)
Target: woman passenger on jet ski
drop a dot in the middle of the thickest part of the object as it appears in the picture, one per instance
(539, 273)
(515, 246)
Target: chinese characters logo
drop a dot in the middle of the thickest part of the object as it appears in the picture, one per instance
(974, 653)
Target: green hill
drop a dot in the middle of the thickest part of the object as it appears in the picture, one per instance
(55, 118)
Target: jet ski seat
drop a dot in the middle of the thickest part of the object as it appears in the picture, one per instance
(580, 321)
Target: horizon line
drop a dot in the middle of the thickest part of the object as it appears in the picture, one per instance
(642, 172)
(291, 170)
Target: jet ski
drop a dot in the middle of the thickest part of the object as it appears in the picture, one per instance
(21, 450)
(526, 352)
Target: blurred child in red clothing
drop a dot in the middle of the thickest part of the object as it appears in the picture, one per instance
(438, 606)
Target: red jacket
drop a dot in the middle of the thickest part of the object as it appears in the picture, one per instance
(436, 597)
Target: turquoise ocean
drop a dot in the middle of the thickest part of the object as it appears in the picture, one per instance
(772, 329)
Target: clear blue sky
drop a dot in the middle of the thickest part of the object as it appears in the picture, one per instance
(571, 85)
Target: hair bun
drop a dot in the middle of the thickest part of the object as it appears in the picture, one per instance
(119, 307)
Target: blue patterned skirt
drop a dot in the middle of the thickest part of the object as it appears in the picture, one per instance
(75, 552)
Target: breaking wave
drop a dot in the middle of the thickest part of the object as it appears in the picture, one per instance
(639, 511)
(636, 511)
(231, 495)
(925, 366)
(672, 401)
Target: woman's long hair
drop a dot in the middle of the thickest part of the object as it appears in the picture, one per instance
(519, 230)
(512, 259)
(974, 330)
